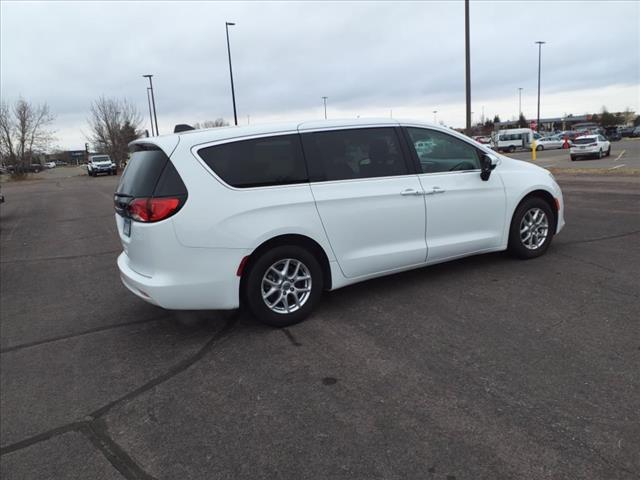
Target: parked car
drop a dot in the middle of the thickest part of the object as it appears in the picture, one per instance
(590, 146)
(270, 216)
(613, 136)
(636, 132)
(101, 164)
(626, 131)
(50, 164)
(32, 168)
(549, 143)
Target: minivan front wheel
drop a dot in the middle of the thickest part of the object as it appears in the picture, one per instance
(531, 229)
(284, 285)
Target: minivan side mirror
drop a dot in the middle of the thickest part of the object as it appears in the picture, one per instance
(488, 162)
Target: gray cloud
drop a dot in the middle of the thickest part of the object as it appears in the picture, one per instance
(287, 55)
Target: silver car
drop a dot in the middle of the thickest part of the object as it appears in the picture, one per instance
(549, 143)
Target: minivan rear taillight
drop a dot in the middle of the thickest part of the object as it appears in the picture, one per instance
(153, 209)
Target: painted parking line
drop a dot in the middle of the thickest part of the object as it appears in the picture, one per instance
(619, 156)
(617, 166)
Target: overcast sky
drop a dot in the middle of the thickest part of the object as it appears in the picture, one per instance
(368, 57)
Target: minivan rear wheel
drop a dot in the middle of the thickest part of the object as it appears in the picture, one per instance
(284, 285)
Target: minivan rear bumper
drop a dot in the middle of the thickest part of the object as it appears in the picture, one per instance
(203, 279)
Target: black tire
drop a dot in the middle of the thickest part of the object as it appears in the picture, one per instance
(573, 158)
(600, 153)
(609, 151)
(253, 285)
(511, 149)
(539, 148)
(516, 246)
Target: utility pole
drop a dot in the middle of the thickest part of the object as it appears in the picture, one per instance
(324, 100)
(540, 43)
(467, 63)
(153, 102)
(233, 93)
(150, 111)
(519, 102)
(434, 116)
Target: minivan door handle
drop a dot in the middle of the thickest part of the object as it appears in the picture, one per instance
(410, 191)
(435, 190)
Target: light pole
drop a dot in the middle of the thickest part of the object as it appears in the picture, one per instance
(150, 111)
(467, 63)
(434, 115)
(324, 100)
(519, 102)
(153, 102)
(233, 92)
(540, 43)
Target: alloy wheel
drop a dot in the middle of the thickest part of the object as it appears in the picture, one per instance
(286, 286)
(534, 228)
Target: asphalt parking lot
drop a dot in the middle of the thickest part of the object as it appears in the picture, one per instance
(487, 367)
(625, 157)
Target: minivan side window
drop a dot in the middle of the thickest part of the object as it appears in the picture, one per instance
(353, 153)
(258, 162)
(439, 152)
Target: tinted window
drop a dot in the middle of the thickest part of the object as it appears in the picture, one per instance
(439, 152)
(584, 141)
(353, 153)
(169, 183)
(142, 172)
(259, 162)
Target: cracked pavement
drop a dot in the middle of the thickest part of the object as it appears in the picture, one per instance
(488, 367)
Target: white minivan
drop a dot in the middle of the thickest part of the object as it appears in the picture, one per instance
(514, 139)
(271, 216)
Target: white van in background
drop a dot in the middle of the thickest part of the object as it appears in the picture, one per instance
(515, 138)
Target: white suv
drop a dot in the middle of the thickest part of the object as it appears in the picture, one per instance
(270, 216)
(101, 164)
(590, 146)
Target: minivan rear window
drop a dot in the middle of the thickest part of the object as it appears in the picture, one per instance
(148, 173)
(259, 162)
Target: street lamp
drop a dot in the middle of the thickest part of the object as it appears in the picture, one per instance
(150, 111)
(324, 100)
(540, 43)
(467, 63)
(519, 102)
(153, 102)
(233, 92)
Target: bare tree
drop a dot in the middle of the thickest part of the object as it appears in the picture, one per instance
(24, 132)
(114, 123)
(218, 122)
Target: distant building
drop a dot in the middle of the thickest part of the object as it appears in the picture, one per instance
(71, 157)
(570, 122)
